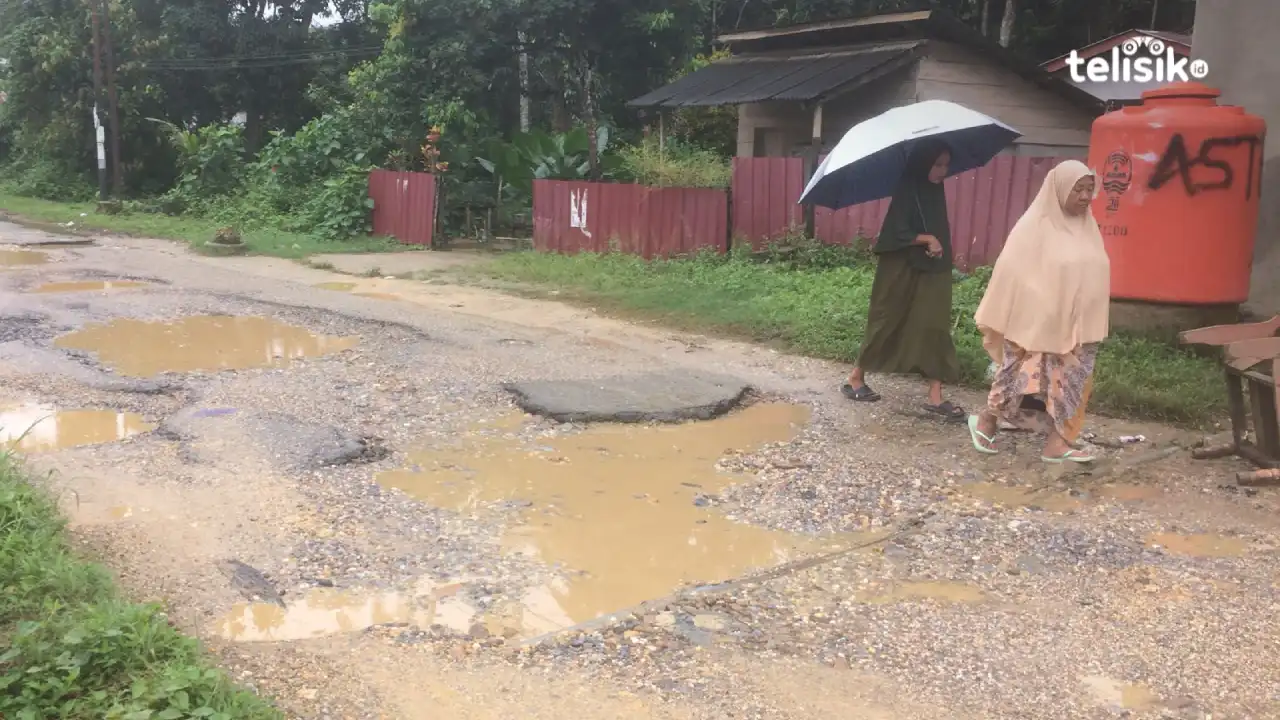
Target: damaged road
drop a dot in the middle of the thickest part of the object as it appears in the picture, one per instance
(379, 498)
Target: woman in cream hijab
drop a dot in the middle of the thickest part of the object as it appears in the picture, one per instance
(1043, 315)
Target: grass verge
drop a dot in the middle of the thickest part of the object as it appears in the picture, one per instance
(818, 308)
(195, 231)
(72, 647)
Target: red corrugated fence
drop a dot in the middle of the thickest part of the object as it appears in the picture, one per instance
(404, 205)
(647, 221)
(984, 204)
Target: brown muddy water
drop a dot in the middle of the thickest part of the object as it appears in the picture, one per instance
(624, 509)
(88, 286)
(15, 258)
(1200, 545)
(43, 428)
(200, 343)
(914, 591)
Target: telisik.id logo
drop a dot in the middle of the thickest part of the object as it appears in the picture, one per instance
(1140, 59)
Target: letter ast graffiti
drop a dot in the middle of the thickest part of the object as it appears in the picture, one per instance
(1117, 175)
(1177, 161)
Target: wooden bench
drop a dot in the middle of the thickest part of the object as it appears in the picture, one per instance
(1245, 347)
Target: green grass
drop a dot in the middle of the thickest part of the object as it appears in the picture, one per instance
(196, 231)
(71, 647)
(819, 309)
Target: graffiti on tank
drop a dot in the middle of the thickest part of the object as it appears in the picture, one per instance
(1177, 162)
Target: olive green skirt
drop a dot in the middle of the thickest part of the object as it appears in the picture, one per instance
(909, 322)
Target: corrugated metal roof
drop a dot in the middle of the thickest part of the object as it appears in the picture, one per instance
(751, 79)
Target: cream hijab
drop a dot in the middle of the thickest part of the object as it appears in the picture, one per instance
(1050, 291)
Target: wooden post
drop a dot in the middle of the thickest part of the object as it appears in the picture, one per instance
(811, 165)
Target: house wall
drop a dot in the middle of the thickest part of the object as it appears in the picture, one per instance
(1050, 124)
(786, 128)
(1235, 40)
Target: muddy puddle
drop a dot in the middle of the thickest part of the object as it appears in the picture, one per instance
(322, 612)
(44, 428)
(926, 590)
(625, 512)
(1118, 695)
(88, 286)
(199, 343)
(330, 611)
(1056, 499)
(1200, 545)
(17, 258)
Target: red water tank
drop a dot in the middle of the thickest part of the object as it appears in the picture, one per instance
(1181, 177)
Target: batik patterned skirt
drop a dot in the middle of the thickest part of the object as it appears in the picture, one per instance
(1061, 382)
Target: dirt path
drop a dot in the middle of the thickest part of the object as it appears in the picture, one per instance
(340, 500)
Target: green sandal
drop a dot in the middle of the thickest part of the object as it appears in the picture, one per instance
(1074, 456)
(975, 434)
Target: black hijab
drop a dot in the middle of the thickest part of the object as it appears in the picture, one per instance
(918, 207)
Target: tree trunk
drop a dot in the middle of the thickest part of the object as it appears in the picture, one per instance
(1006, 22)
(986, 18)
(524, 80)
(589, 107)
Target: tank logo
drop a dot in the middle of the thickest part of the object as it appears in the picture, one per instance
(1117, 175)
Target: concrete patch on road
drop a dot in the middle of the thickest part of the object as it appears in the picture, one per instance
(652, 397)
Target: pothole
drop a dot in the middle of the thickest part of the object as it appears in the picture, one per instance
(200, 343)
(626, 511)
(934, 590)
(88, 286)
(1200, 545)
(330, 611)
(17, 258)
(32, 328)
(36, 428)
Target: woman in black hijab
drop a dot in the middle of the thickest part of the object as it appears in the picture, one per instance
(909, 321)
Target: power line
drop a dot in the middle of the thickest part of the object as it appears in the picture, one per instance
(275, 56)
(258, 61)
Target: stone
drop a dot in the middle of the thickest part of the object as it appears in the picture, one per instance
(711, 622)
(652, 397)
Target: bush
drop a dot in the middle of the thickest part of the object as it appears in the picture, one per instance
(46, 180)
(678, 165)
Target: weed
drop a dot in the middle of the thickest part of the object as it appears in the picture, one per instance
(73, 648)
(814, 301)
(262, 237)
(674, 165)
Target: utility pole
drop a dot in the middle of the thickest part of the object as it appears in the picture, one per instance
(113, 108)
(98, 130)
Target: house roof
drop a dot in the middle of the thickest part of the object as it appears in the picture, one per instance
(786, 76)
(1181, 40)
(865, 33)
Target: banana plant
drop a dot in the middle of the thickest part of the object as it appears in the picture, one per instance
(538, 155)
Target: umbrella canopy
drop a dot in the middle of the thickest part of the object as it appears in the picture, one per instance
(869, 159)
